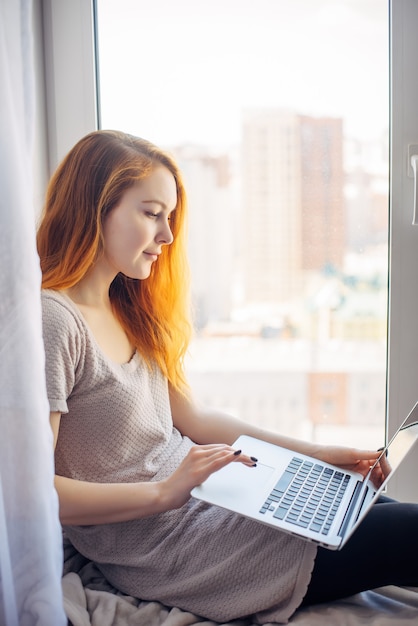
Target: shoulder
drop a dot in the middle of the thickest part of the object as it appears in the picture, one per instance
(55, 303)
(64, 344)
(58, 310)
(62, 324)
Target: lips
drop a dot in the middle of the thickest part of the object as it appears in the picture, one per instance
(153, 256)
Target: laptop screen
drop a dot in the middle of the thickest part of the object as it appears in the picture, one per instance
(400, 445)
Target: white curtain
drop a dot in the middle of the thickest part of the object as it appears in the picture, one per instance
(30, 536)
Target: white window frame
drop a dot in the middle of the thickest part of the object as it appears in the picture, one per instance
(70, 74)
(403, 294)
(72, 111)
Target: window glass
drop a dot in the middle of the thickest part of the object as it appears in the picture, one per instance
(278, 114)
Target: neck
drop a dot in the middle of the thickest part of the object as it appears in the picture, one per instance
(92, 290)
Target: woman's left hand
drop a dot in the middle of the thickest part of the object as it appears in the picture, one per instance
(352, 459)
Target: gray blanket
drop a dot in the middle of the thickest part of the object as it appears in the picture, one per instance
(89, 600)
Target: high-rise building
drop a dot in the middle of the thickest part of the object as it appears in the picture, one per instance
(366, 165)
(322, 193)
(211, 224)
(292, 189)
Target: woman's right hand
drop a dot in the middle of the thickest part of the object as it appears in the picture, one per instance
(196, 467)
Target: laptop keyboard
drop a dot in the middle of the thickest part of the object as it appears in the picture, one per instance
(308, 495)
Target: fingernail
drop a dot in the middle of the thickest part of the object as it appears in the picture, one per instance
(237, 452)
(253, 459)
(254, 465)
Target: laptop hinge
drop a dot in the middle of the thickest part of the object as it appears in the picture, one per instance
(351, 507)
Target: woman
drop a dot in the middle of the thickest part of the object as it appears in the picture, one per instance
(130, 442)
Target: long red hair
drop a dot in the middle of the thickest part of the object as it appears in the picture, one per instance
(86, 186)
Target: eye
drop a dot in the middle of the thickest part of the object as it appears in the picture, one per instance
(152, 215)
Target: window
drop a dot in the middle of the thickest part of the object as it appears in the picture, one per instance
(289, 228)
(360, 189)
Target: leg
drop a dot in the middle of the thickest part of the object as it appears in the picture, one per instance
(382, 551)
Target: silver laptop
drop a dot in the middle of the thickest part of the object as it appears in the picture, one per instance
(301, 495)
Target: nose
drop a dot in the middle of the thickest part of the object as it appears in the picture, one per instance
(165, 236)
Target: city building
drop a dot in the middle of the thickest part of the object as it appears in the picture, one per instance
(293, 202)
(212, 222)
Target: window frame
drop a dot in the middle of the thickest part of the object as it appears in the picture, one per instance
(402, 383)
(70, 66)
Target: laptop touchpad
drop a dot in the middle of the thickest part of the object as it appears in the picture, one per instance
(257, 476)
(236, 478)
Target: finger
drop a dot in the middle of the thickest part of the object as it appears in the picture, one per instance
(211, 450)
(385, 466)
(213, 447)
(218, 456)
(250, 461)
(364, 455)
(237, 455)
(209, 458)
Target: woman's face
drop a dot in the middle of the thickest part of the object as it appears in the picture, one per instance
(138, 227)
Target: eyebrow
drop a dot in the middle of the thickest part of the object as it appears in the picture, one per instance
(162, 204)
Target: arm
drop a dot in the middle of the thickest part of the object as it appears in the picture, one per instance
(98, 503)
(204, 426)
(85, 503)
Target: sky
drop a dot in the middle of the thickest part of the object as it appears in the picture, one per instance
(184, 71)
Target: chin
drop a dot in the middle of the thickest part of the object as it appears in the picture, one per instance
(137, 275)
